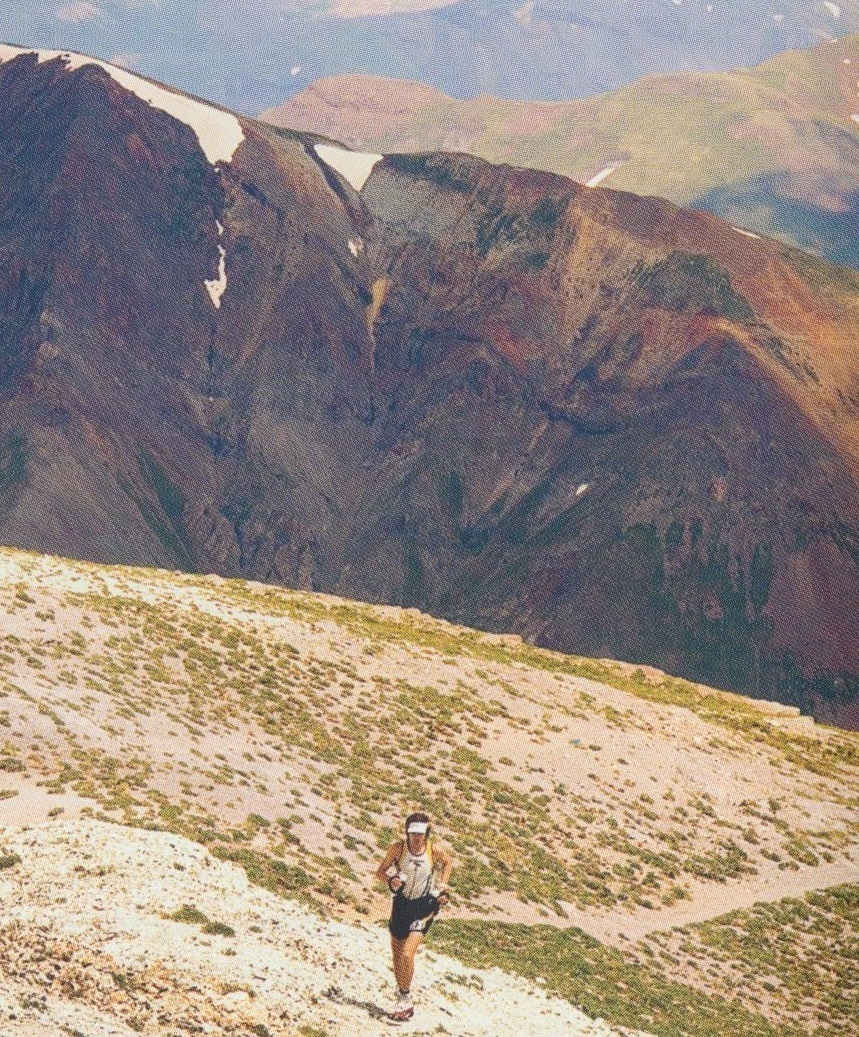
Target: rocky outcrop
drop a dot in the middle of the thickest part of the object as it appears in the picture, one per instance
(613, 426)
(136, 950)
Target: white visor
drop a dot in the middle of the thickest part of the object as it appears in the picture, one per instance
(418, 828)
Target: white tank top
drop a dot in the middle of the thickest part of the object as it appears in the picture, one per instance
(417, 873)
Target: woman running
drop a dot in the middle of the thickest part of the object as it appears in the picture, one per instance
(409, 870)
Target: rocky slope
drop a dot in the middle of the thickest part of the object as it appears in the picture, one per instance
(615, 426)
(773, 148)
(129, 955)
(198, 776)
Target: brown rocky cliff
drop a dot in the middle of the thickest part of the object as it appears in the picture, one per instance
(656, 449)
(611, 425)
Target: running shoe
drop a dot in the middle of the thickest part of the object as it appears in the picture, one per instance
(403, 1009)
(401, 1015)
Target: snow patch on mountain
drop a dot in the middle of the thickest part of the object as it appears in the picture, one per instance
(353, 166)
(524, 14)
(219, 132)
(603, 174)
(77, 12)
(218, 285)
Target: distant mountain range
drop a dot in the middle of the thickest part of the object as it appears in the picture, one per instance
(614, 426)
(251, 56)
(774, 149)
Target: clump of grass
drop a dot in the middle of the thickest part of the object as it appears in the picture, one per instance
(218, 929)
(265, 871)
(190, 915)
(9, 860)
(235, 988)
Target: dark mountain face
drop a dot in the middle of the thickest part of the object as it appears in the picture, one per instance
(614, 426)
(252, 55)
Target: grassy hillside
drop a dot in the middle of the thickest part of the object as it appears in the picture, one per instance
(794, 959)
(772, 148)
(290, 733)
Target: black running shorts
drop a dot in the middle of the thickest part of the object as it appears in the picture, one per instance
(407, 916)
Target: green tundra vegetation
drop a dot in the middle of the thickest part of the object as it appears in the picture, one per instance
(798, 955)
(604, 981)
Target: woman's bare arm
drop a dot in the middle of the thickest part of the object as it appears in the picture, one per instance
(446, 862)
(391, 856)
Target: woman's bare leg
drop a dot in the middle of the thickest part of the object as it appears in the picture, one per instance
(404, 952)
(396, 951)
